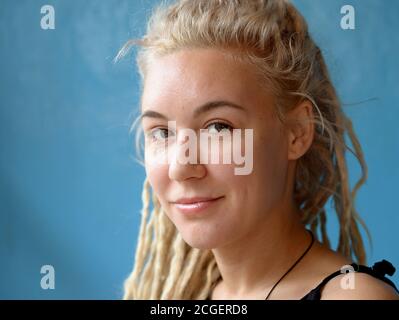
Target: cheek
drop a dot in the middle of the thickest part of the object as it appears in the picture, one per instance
(158, 178)
(271, 163)
(259, 159)
(262, 188)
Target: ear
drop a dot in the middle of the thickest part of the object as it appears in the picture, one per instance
(300, 129)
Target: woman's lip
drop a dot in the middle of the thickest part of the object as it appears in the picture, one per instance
(195, 200)
(195, 207)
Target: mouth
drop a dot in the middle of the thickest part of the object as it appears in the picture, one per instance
(195, 205)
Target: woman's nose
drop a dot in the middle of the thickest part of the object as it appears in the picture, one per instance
(184, 161)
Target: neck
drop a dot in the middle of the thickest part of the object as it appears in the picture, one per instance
(252, 264)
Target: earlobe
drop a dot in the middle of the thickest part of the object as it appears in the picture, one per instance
(300, 130)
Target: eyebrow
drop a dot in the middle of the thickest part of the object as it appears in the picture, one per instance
(206, 107)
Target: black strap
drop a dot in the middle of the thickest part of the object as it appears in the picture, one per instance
(378, 271)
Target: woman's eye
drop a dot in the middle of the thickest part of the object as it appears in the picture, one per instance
(159, 134)
(219, 127)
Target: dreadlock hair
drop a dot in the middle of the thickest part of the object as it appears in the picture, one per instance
(273, 36)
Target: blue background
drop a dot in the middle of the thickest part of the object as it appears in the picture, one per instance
(70, 190)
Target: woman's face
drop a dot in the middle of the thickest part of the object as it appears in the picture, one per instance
(175, 86)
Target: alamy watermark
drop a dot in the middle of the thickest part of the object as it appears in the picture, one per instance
(348, 280)
(348, 20)
(47, 22)
(225, 147)
(48, 280)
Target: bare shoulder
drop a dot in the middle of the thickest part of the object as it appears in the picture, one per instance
(348, 286)
(358, 286)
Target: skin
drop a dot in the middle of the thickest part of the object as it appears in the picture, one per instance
(254, 230)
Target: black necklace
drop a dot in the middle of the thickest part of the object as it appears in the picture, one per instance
(296, 262)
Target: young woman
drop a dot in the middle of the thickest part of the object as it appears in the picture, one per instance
(222, 65)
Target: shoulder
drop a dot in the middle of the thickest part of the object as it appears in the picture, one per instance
(358, 286)
(346, 286)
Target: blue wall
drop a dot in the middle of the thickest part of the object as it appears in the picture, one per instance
(70, 191)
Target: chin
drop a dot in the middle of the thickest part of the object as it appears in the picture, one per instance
(200, 243)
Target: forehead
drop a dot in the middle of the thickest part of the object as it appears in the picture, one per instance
(198, 75)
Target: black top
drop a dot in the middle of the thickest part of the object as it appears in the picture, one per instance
(378, 270)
